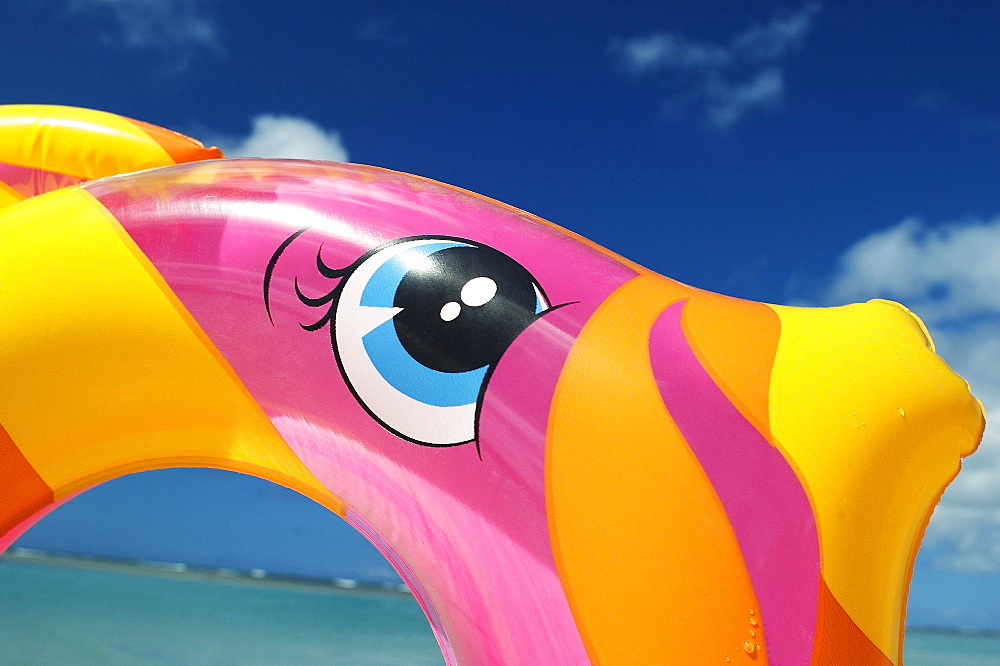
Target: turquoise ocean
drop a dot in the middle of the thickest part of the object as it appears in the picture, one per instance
(59, 615)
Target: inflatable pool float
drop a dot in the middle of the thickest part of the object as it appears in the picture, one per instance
(567, 457)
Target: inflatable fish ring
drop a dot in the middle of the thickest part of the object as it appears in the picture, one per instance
(568, 458)
(43, 148)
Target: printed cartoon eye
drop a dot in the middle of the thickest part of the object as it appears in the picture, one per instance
(420, 323)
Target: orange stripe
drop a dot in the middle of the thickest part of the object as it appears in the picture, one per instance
(736, 341)
(179, 147)
(22, 491)
(840, 640)
(625, 493)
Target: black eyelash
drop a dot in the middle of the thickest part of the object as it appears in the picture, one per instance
(314, 302)
(269, 271)
(330, 298)
(324, 270)
(328, 272)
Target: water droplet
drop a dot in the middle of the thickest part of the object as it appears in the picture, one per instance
(751, 611)
(753, 634)
(901, 412)
(748, 647)
(753, 622)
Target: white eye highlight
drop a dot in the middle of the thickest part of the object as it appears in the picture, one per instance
(450, 311)
(478, 291)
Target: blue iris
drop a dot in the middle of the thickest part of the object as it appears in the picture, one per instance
(432, 387)
(393, 362)
(381, 288)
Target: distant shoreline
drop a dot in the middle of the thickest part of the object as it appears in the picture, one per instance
(954, 631)
(256, 577)
(260, 577)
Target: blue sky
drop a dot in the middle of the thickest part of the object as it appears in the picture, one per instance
(784, 152)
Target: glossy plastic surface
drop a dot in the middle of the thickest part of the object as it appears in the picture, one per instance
(568, 457)
(43, 148)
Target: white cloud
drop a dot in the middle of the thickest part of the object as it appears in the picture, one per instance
(647, 54)
(725, 103)
(176, 28)
(764, 43)
(948, 272)
(286, 136)
(723, 83)
(950, 276)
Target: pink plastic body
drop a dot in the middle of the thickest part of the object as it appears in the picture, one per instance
(467, 523)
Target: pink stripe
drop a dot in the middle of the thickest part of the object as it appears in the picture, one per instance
(29, 182)
(767, 506)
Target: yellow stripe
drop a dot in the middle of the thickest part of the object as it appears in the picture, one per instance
(77, 142)
(8, 195)
(104, 371)
(875, 423)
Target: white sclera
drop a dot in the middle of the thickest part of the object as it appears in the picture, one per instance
(429, 424)
(478, 291)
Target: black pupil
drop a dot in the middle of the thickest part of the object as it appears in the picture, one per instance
(444, 332)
